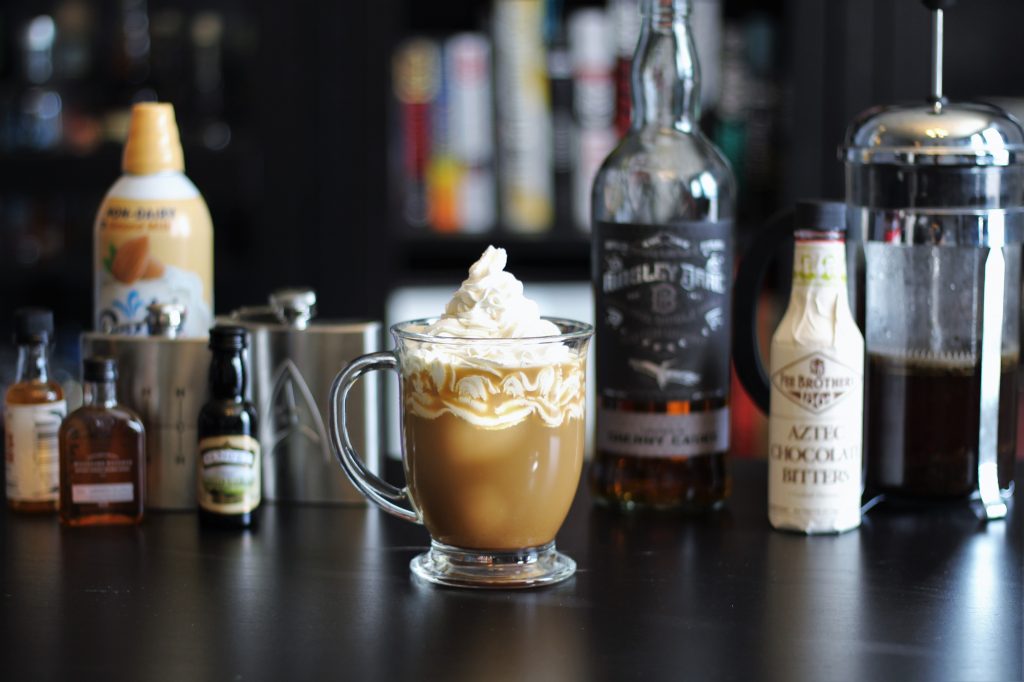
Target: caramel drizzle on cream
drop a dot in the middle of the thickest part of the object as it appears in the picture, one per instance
(497, 398)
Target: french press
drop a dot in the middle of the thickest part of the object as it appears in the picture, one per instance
(935, 201)
(935, 221)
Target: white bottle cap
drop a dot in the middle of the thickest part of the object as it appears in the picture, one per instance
(590, 41)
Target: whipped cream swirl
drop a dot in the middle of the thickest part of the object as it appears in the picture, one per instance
(491, 304)
(493, 385)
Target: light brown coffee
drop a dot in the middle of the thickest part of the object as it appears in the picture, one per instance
(493, 488)
(484, 483)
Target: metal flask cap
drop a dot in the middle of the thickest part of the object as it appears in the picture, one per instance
(294, 307)
(165, 320)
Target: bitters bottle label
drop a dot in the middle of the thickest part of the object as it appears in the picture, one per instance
(814, 441)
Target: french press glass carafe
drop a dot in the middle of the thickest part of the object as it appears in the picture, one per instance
(935, 197)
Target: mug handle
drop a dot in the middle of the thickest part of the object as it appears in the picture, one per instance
(386, 496)
(746, 351)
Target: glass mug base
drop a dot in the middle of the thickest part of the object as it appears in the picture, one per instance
(514, 569)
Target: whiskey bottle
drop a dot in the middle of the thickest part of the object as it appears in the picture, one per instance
(662, 253)
(102, 454)
(33, 409)
(229, 480)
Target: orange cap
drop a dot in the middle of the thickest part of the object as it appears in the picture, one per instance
(153, 144)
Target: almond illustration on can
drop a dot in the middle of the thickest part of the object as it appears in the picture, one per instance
(131, 260)
(154, 269)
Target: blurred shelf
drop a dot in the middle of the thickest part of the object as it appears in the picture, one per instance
(58, 171)
(44, 172)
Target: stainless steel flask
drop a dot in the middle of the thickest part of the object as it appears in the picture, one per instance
(293, 361)
(163, 379)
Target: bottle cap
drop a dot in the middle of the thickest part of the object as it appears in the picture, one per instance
(33, 325)
(165, 319)
(98, 369)
(665, 7)
(225, 337)
(153, 143)
(294, 307)
(820, 215)
(590, 40)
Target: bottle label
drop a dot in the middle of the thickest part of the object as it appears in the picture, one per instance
(645, 434)
(102, 493)
(100, 477)
(662, 295)
(815, 435)
(32, 451)
(153, 251)
(229, 474)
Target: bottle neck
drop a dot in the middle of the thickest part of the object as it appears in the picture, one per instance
(33, 362)
(819, 259)
(99, 393)
(227, 375)
(666, 75)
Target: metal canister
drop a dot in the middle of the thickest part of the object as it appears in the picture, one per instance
(163, 379)
(294, 358)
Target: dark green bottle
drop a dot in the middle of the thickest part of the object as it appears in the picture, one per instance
(229, 481)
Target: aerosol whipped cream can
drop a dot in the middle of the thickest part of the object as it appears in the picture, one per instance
(153, 234)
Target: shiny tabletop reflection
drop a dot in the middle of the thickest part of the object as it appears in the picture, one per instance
(321, 591)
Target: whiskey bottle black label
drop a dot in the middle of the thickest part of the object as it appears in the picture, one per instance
(662, 295)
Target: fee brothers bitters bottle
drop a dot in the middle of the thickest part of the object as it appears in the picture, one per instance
(816, 418)
(33, 409)
(229, 480)
(662, 264)
(102, 454)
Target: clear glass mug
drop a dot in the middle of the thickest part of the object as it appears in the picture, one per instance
(492, 446)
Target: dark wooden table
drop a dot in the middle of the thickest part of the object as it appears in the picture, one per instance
(321, 592)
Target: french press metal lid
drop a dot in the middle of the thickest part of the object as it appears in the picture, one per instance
(931, 141)
(940, 133)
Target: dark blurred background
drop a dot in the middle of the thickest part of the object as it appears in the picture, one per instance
(327, 137)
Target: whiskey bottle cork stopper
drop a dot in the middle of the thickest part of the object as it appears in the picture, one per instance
(153, 143)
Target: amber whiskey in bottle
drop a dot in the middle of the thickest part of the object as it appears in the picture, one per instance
(229, 481)
(33, 409)
(102, 454)
(662, 248)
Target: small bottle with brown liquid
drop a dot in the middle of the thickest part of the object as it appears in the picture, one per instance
(229, 482)
(102, 455)
(33, 410)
